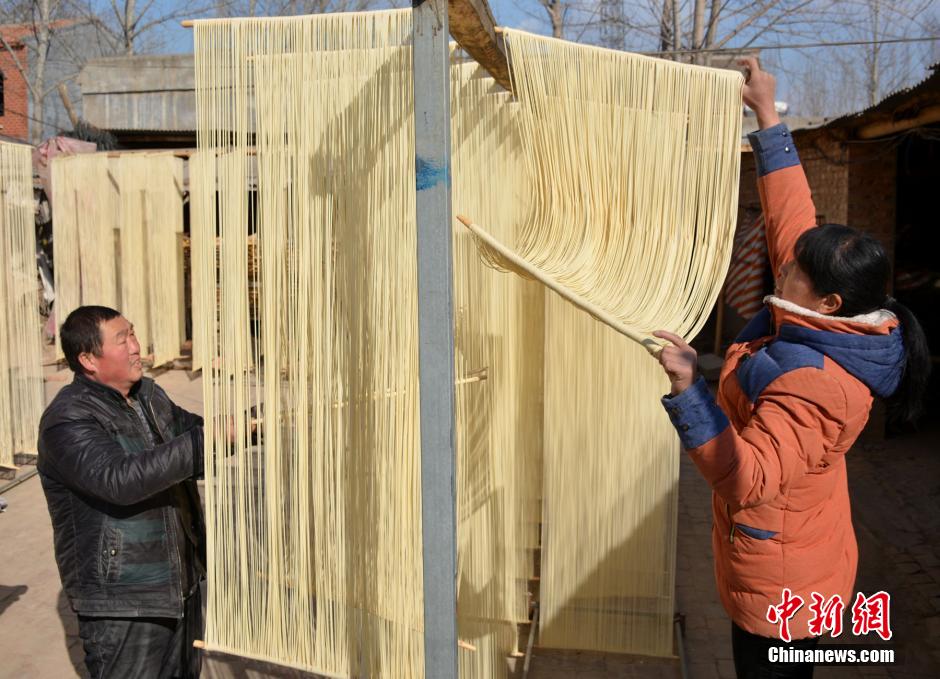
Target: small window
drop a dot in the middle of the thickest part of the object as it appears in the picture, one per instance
(1, 93)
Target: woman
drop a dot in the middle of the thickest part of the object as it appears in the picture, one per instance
(795, 392)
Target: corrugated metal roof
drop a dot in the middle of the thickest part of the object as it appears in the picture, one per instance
(890, 103)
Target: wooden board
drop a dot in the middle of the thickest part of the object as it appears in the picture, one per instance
(473, 27)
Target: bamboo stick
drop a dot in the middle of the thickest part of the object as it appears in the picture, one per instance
(648, 343)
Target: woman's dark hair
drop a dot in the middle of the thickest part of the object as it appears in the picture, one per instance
(81, 333)
(840, 259)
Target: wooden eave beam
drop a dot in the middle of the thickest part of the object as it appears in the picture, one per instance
(927, 115)
(473, 27)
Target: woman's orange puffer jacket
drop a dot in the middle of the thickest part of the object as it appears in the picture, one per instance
(794, 394)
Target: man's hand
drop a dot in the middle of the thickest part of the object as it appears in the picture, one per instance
(679, 360)
(759, 90)
(231, 431)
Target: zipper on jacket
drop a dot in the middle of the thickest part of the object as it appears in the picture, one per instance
(155, 428)
(179, 563)
(731, 534)
(172, 521)
(169, 519)
(156, 425)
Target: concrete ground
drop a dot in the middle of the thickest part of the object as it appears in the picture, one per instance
(895, 489)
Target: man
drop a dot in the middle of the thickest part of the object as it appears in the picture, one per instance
(118, 461)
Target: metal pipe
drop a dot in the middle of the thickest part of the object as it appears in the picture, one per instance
(528, 648)
(680, 644)
(17, 481)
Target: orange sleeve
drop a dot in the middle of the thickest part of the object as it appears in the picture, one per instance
(797, 420)
(788, 212)
(784, 192)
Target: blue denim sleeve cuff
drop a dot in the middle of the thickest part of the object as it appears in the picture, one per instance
(773, 149)
(695, 415)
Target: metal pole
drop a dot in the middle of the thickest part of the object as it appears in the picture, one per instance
(679, 623)
(436, 335)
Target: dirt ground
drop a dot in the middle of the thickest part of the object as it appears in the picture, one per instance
(895, 487)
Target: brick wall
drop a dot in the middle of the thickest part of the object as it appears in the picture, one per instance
(852, 184)
(748, 198)
(827, 170)
(14, 121)
(873, 191)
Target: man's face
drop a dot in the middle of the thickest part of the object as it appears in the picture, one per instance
(118, 365)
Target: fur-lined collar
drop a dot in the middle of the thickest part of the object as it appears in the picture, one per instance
(872, 318)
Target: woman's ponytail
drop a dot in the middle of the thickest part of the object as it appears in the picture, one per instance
(843, 260)
(906, 404)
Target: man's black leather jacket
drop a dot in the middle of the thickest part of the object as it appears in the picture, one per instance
(117, 502)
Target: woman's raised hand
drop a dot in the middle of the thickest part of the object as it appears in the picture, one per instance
(759, 90)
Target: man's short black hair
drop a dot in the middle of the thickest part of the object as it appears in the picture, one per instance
(81, 333)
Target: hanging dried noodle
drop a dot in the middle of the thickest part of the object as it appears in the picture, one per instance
(130, 171)
(151, 251)
(314, 536)
(117, 243)
(21, 390)
(164, 226)
(315, 547)
(611, 465)
(85, 243)
(203, 261)
(498, 332)
(635, 164)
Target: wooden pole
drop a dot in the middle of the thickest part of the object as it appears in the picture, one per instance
(719, 320)
(648, 343)
(67, 103)
(883, 128)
